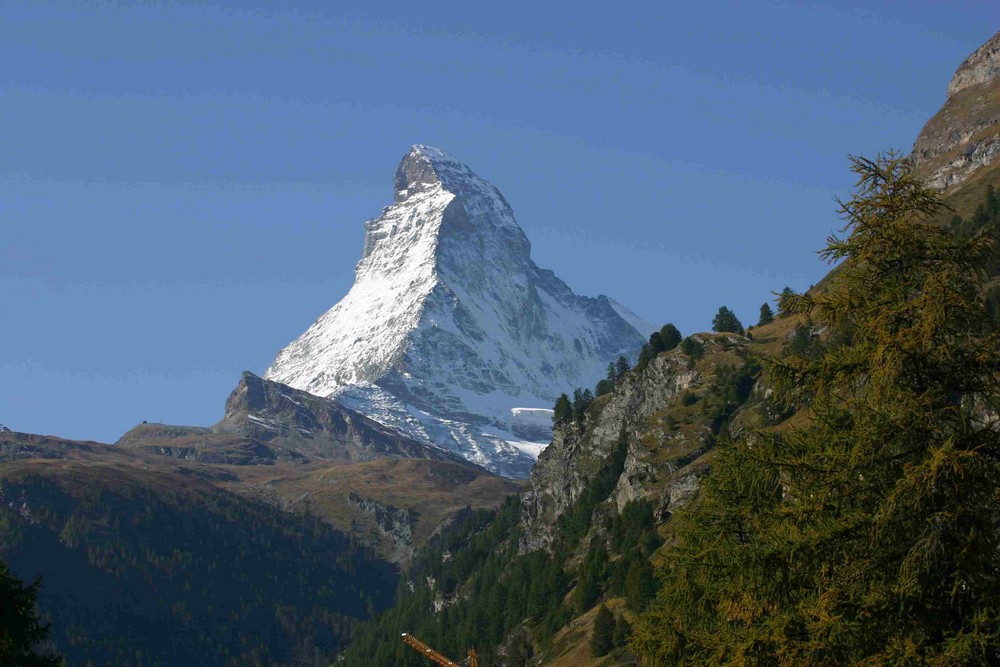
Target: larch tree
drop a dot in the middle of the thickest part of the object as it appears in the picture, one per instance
(868, 536)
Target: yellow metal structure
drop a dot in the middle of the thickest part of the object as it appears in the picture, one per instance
(435, 657)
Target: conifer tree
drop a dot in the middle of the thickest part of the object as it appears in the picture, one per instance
(766, 314)
(562, 411)
(656, 343)
(785, 301)
(670, 336)
(582, 398)
(645, 356)
(604, 627)
(870, 535)
(621, 367)
(21, 630)
(621, 632)
(725, 321)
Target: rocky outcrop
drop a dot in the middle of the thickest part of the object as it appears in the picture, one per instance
(983, 66)
(387, 521)
(660, 415)
(267, 421)
(281, 416)
(964, 136)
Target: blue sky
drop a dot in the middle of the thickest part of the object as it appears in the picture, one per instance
(183, 187)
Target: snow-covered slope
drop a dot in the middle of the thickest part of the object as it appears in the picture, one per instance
(450, 324)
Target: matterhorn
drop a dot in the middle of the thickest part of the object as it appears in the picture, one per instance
(450, 332)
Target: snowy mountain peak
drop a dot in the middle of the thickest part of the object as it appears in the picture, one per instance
(450, 325)
(426, 167)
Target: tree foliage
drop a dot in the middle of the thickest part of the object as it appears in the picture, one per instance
(21, 629)
(766, 314)
(869, 536)
(664, 340)
(725, 321)
(693, 348)
(490, 587)
(786, 300)
(563, 410)
(602, 639)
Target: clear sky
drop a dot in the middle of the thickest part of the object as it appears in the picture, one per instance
(183, 186)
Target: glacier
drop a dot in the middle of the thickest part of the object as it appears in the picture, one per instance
(450, 326)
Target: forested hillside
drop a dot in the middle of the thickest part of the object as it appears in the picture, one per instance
(144, 567)
(562, 574)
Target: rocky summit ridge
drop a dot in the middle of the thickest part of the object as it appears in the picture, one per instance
(964, 136)
(450, 324)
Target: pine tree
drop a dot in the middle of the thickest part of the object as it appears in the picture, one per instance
(785, 302)
(562, 411)
(640, 583)
(21, 630)
(766, 314)
(656, 343)
(582, 398)
(601, 642)
(621, 632)
(725, 321)
(621, 367)
(645, 356)
(671, 336)
(868, 536)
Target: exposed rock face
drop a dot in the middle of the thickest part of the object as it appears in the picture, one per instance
(665, 440)
(964, 135)
(981, 67)
(449, 324)
(266, 421)
(390, 522)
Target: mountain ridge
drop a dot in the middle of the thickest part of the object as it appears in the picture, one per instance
(450, 324)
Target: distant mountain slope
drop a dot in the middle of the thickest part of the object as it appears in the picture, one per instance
(159, 565)
(961, 142)
(185, 545)
(450, 325)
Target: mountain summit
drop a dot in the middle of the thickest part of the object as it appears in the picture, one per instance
(964, 136)
(450, 325)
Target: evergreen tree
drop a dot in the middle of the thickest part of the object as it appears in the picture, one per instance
(621, 632)
(670, 336)
(582, 398)
(725, 322)
(21, 630)
(602, 641)
(621, 367)
(563, 411)
(640, 583)
(656, 343)
(786, 301)
(766, 315)
(870, 535)
(692, 348)
(645, 356)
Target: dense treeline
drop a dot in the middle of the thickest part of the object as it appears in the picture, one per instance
(470, 586)
(172, 576)
(869, 535)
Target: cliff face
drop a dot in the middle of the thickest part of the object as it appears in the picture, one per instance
(666, 416)
(964, 136)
